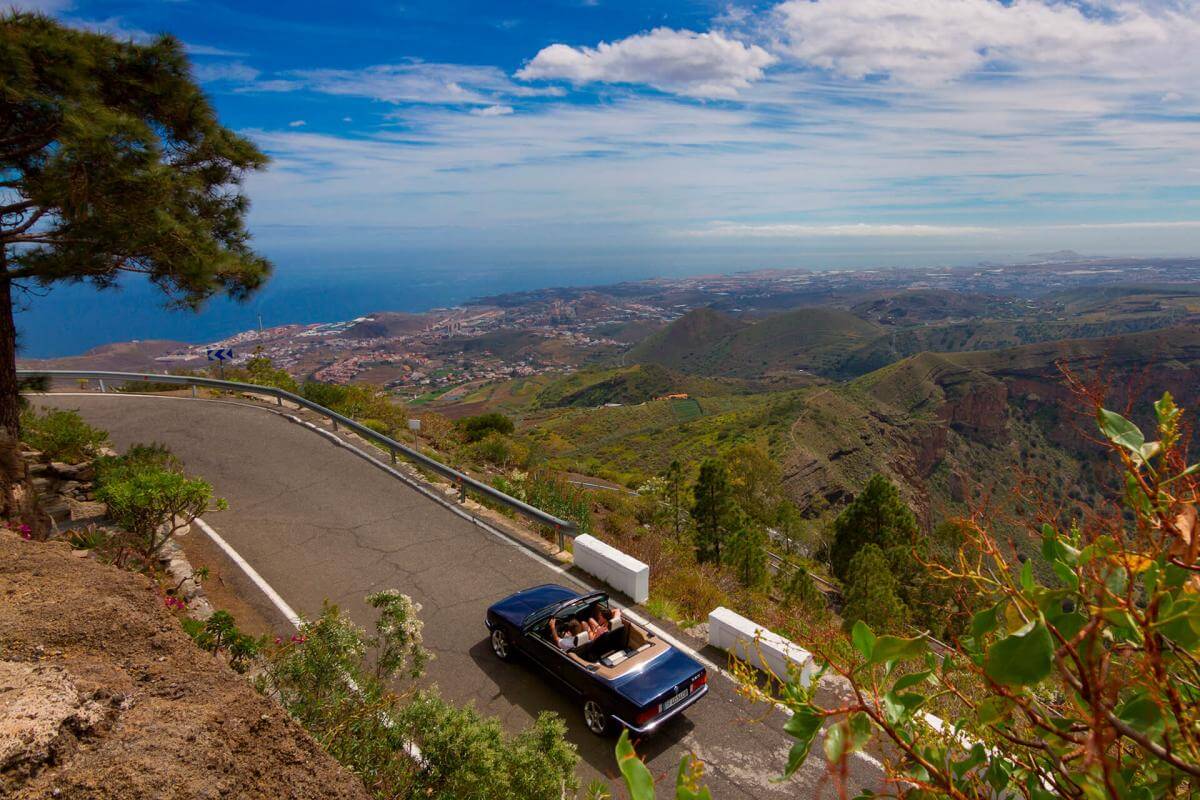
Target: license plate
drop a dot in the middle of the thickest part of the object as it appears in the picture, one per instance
(671, 702)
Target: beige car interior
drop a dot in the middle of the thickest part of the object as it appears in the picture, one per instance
(617, 651)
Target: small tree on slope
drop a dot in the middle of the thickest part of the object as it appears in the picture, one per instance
(878, 516)
(872, 592)
(713, 512)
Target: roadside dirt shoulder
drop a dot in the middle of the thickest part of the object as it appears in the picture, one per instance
(102, 695)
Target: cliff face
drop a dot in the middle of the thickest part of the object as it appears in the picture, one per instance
(102, 695)
(979, 412)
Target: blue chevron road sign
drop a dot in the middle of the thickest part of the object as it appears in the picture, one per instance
(220, 354)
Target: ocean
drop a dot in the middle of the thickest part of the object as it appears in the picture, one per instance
(74, 318)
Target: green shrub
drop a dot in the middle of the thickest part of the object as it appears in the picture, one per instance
(329, 395)
(357, 401)
(138, 458)
(219, 634)
(551, 494)
(476, 428)
(324, 678)
(61, 435)
(377, 425)
(146, 387)
(89, 538)
(799, 590)
(500, 450)
(152, 504)
(261, 371)
(468, 757)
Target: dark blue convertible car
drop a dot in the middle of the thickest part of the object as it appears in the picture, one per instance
(627, 676)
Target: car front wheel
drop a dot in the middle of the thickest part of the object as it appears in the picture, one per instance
(596, 718)
(501, 646)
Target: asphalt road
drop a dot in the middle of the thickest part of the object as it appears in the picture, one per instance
(321, 524)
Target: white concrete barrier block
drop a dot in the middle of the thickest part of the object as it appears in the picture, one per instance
(618, 570)
(758, 646)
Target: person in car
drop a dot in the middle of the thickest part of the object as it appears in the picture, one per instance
(572, 637)
(602, 620)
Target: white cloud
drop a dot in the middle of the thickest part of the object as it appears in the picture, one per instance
(931, 41)
(111, 26)
(492, 111)
(414, 82)
(234, 71)
(704, 65)
(207, 50)
(297, 123)
(792, 231)
(906, 230)
(38, 6)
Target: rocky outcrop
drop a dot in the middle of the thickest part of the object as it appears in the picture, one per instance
(978, 409)
(43, 717)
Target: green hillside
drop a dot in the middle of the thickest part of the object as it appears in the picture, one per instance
(947, 426)
(804, 340)
(624, 385)
(685, 344)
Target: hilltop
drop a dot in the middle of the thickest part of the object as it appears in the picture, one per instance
(803, 340)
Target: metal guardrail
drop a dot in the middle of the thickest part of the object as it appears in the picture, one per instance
(465, 483)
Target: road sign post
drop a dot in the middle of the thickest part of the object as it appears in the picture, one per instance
(220, 355)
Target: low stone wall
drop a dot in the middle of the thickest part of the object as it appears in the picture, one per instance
(620, 571)
(758, 646)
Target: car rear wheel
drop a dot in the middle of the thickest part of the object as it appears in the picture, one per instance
(596, 718)
(501, 646)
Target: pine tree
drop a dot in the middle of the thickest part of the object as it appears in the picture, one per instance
(872, 593)
(112, 162)
(713, 510)
(674, 478)
(800, 590)
(755, 482)
(746, 553)
(789, 524)
(877, 516)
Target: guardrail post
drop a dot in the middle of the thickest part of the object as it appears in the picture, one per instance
(278, 400)
(562, 542)
(334, 421)
(102, 385)
(193, 391)
(392, 450)
(462, 491)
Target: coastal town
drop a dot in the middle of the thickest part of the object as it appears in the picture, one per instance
(449, 350)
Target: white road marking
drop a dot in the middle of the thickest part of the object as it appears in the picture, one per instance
(252, 574)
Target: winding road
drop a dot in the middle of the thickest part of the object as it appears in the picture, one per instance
(319, 523)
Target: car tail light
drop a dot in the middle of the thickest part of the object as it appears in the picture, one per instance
(699, 680)
(647, 715)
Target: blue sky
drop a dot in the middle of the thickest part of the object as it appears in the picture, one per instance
(724, 135)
